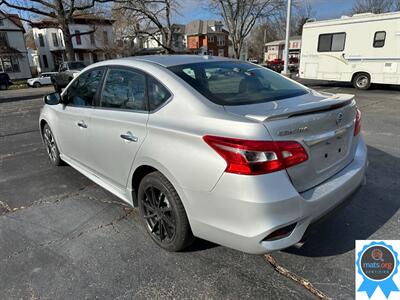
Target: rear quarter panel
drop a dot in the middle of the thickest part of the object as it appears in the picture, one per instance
(174, 144)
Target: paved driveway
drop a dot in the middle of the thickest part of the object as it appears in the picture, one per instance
(64, 237)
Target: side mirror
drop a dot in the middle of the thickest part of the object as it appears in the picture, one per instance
(52, 99)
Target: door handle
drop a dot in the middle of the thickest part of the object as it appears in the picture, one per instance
(129, 137)
(82, 124)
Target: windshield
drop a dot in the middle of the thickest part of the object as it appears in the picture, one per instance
(76, 65)
(237, 83)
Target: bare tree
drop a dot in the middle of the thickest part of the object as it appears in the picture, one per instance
(375, 6)
(303, 11)
(240, 16)
(62, 11)
(261, 34)
(152, 14)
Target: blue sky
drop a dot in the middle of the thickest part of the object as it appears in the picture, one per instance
(323, 9)
(198, 9)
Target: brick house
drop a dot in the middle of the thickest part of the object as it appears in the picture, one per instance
(207, 37)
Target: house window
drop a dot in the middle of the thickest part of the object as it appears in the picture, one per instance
(78, 37)
(61, 40)
(1, 22)
(41, 40)
(332, 42)
(211, 38)
(3, 39)
(45, 62)
(9, 64)
(15, 64)
(379, 39)
(55, 39)
(92, 41)
(221, 40)
(105, 37)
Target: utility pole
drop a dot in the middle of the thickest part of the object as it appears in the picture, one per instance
(286, 62)
(265, 41)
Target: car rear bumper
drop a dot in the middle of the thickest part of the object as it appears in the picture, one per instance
(241, 211)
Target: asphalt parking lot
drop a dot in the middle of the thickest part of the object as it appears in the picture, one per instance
(64, 237)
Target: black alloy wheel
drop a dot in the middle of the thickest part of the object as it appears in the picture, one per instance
(158, 214)
(162, 213)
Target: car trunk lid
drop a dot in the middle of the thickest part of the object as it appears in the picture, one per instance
(323, 123)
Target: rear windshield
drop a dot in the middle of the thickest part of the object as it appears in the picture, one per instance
(237, 83)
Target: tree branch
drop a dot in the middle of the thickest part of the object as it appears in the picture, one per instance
(29, 9)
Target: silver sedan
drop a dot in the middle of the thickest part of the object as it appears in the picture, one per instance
(209, 147)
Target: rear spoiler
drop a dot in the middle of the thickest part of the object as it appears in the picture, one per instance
(313, 108)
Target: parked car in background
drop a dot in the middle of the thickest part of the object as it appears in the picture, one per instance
(43, 79)
(293, 65)
(5, 81)
(277, 65)
(245, 157)
(274, 65)
(66, 72)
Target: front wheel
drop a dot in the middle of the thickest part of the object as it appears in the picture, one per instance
(51, 146)
(37, 85)
(163, 214)
(362, 81)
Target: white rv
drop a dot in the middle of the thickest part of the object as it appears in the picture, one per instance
(361, 49)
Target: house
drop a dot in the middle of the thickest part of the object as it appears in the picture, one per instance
(13, 53)
(150, 41)
(276, 50)
(207, 37)
(93, 40)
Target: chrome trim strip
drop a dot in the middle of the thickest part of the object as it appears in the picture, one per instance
(313, 140)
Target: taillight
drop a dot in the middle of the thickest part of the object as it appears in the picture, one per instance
(357, 123)
(249, 157)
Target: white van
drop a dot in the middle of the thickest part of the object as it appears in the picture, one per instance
(361, 49)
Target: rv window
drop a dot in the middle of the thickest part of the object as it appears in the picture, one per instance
(331, 42)
(324, 44)
(338, 42)
(379, 39)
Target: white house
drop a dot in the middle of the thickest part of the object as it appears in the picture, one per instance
(90, 48)
(276, 50)
(13, 53)
(149, 42)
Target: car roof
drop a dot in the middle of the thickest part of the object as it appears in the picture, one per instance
(174, 60)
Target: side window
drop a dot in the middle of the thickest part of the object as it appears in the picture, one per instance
(124, 89)
(379, 39)
(331, 42)
(157, 93)
(83, 90)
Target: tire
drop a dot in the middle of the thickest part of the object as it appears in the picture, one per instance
(362, 81)
(51, 146)
(163, 214)
(3, 86)
(37, 85)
